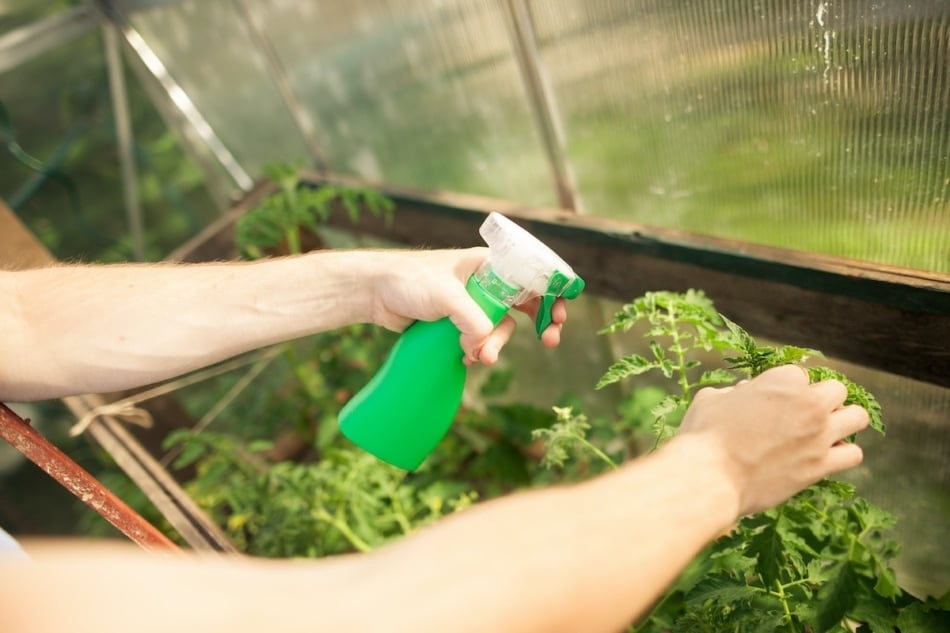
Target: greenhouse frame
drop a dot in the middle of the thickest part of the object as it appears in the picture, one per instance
(789, 159)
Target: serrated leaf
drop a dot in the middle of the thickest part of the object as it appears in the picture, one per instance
(856, 395)
(767, 548)
(720, 588)
(632, 365)
(789, 354)
(716, 377)
(666, 407)
(886, 584)
(191, 452)
(879, 615)
(837, 597)
(921, 618)
(741, 340)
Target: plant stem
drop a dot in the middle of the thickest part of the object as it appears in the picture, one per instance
(344, 529)
(596, 451)
(399, 511)
(788, 614)
(677, 347)
(292, 235)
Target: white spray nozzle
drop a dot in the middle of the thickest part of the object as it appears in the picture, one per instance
(525, 263)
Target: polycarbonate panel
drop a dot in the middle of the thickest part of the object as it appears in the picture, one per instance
(821, 126)
(57, 104)
(205, 47)
(424, 94)
(907, 473)
(66, 184)
(16, 13)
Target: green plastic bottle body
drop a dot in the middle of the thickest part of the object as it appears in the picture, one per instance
(408, 406)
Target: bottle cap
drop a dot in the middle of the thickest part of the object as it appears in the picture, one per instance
(523, 261)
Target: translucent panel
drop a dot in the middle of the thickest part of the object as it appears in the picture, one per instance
(205, 47)
(16, 13)
(55, 103)
(64, 182)
(423, 94)
(907, 472)
(820, 126)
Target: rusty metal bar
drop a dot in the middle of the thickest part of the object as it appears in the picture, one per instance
(19, 434)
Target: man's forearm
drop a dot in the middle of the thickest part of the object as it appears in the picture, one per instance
(589, 558)
(76, 329)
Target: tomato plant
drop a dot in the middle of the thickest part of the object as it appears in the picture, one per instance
(821, 561)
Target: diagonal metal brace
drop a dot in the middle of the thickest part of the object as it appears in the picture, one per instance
(19, 434)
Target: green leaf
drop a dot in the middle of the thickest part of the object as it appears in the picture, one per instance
(836, 598)
(720, 588)
(568, 433)
(632, 365)
(879, 615)
(789, 354)
(768, 549)
(716, 377)
(924, 618)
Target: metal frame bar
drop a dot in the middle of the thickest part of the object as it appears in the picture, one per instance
(74, 478)
(543, 103)
(195, 527)
(276, 70)
(124, 139)
(177, 96)
(23, 44)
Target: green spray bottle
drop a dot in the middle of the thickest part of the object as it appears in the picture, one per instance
(406, 409)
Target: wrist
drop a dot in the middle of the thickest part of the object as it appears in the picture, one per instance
(704, 458)
(347, 279)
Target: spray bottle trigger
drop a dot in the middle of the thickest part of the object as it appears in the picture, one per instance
(560, 286)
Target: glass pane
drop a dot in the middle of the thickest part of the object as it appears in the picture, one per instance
(906, 473)
(818, 126)
(65, 183)
(17, 13)
(423, 94)
(207, 50)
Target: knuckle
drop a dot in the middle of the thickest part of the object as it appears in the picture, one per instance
(705, 393)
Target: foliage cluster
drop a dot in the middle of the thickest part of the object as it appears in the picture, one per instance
(331, 497)
(819, 562)
(281, 217)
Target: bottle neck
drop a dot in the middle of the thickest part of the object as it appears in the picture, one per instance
(496, 287)
(487, 301)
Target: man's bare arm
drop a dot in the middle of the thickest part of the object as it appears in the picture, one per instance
(90, 328)
(589, 557)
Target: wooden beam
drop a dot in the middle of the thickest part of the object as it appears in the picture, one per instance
(889, 318)
(19, 248)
